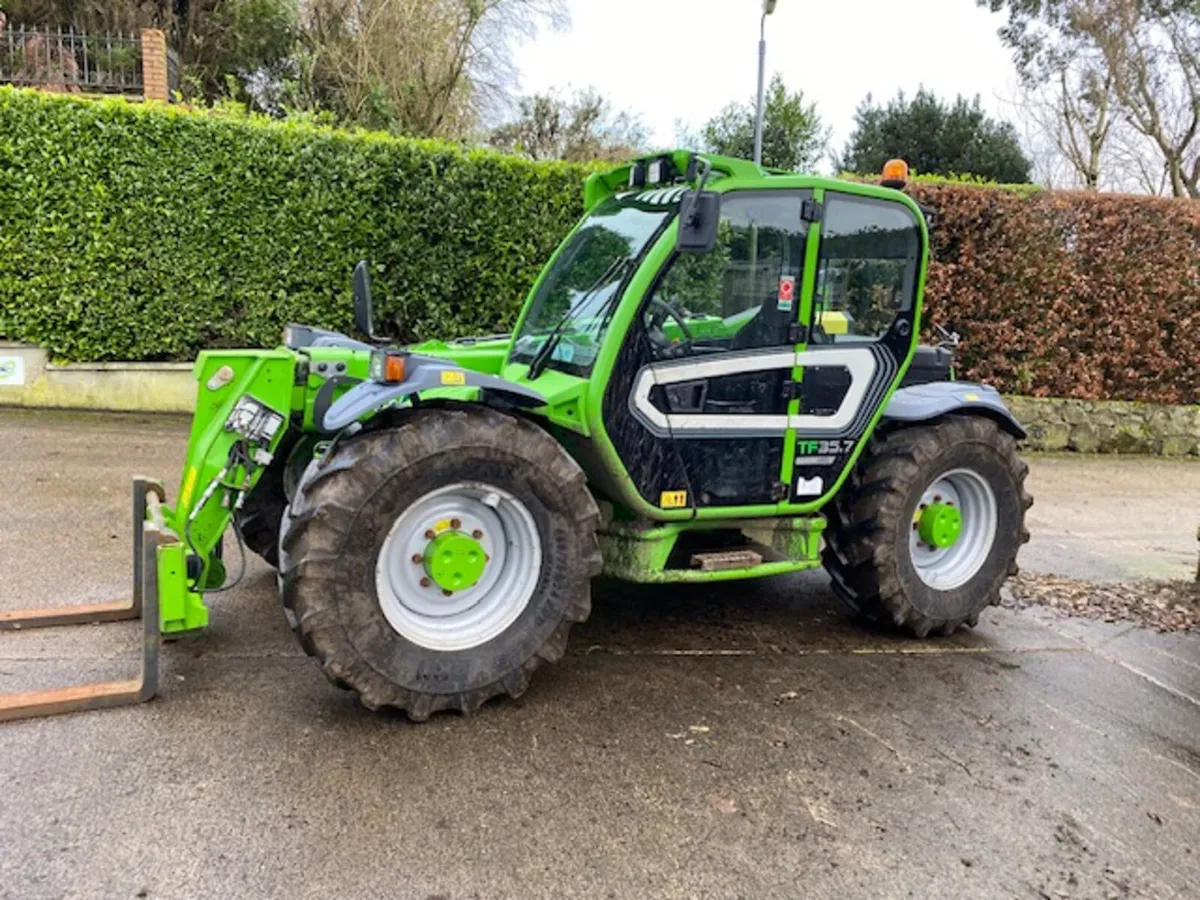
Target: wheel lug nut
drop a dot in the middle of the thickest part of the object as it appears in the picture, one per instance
(425, 582)
(456, 524)
(430, 534)
(477, 534)
(418, 558)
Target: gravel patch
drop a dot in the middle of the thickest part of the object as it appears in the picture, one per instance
(1163, 605)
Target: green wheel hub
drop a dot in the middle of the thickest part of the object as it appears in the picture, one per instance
(940, 525)
(455, 561)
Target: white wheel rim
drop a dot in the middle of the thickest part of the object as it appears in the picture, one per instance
(947, 568)
(420, 611)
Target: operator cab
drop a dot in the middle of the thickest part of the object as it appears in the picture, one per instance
(730, 314)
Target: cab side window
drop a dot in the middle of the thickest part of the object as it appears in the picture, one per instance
(742, 294)
(867, 268)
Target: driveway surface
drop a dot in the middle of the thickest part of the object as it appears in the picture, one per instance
(741, 741)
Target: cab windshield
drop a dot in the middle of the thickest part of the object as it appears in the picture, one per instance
(575, 301)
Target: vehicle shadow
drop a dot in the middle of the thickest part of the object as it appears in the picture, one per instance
(784, 614)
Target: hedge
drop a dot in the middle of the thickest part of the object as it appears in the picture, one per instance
(1069, 294)
(134, 232)
(144, 232)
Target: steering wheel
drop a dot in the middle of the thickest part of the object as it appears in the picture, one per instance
(663, 345)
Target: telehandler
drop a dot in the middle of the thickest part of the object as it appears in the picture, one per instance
(716, 376)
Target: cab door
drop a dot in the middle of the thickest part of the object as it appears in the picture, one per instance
(862, 328)
(697, 405)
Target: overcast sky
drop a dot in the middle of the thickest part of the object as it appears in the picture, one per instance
(667, 65)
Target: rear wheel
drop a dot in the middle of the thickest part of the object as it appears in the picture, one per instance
(928, 527)
(436, 564)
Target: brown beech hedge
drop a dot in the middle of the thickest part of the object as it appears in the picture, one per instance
(1069, 294)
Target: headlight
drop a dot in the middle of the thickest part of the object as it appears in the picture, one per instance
(254, 421)
(387, 367)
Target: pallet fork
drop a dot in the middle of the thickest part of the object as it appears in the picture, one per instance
(149, 533)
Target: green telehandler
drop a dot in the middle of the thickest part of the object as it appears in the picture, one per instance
(716, 376)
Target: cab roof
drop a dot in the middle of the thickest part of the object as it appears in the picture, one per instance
(680, 167)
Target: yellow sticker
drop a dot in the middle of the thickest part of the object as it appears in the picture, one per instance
(972, 397)
(454, 377)
(441, 526)
(189, 485)
(673, 500)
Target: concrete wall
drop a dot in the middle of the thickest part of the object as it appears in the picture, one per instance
(28, 379)
(1082, 425)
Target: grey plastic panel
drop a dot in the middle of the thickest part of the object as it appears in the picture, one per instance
(340, 340)
(424, 374)
(307, 336)
(928, 401)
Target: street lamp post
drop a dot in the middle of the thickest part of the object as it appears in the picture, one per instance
(768, 7)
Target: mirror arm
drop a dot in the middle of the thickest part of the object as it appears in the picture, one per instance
(689, 215)
(364, 304)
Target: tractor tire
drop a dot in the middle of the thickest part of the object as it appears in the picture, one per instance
(366, 525)
(260, 516)
(883, 549)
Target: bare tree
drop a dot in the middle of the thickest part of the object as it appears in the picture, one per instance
(1066, 125)
(1084, 121)
(420, 67)
(1152, 51)
(1134, 163)
(1142, 65)
(580, 128)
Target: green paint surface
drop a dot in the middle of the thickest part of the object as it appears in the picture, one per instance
(455, 561)
(940, 525)
(642, 555)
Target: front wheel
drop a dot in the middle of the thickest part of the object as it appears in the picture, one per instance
(928, 527)
(262, 513)
(436, 564)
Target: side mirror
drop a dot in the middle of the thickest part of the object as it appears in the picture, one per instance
(699, 216)
(364, 313)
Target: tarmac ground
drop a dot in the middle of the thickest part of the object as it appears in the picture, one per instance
(746, 740)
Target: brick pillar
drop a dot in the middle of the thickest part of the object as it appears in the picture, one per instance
(154, 65)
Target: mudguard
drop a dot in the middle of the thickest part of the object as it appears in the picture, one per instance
(424, 373)
(928, 401)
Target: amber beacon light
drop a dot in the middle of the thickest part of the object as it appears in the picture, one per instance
(895, 173)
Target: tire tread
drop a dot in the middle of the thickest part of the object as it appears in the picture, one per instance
(321, 521)
(863, 519)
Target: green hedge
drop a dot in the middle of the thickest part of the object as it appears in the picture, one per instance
(141, 232)
(917, 178)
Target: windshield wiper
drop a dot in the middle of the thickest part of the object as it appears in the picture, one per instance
(541, 358)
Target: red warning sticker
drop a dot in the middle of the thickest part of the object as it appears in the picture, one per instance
(787, 291)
